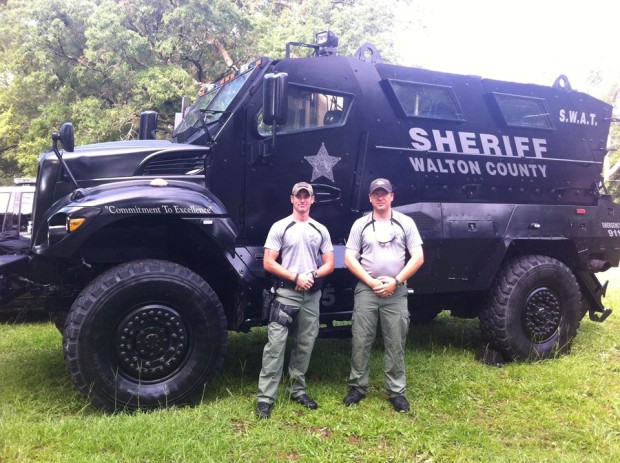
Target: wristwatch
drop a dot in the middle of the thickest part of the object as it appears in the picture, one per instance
(398, 282)
(315, 275)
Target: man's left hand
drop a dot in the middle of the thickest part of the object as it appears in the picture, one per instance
(387, 288)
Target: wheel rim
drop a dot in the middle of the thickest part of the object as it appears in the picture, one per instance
(151, 342)
(541, 315)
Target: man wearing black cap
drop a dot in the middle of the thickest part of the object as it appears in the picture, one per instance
(307, 255)
(376, 255)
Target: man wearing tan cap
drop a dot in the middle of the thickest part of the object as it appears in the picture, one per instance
(307, 255)
(376, 255)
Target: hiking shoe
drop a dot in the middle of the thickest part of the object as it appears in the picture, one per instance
(353, 397)
(263, 410)
(400, 403)
(306, 401)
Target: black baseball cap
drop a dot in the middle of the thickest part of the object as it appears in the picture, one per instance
(380, 183)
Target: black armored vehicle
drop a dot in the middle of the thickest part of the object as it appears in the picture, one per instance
(150, 251)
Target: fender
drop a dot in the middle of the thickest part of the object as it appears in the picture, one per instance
(63, 231)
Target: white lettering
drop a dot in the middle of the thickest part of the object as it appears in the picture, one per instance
(543, 170)
(468, 143)
(472, 143)
(577, 117)
(467, 167)
(522, 146)
(507, 146)
(417, 163)
(420, 142)
(447, 140)
(540, 146)
(515, 170)
(163, 209)
(445, 166)
(490, 144)
(572, 117)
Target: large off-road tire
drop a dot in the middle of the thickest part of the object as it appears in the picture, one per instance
(533, 309)
(145, 334)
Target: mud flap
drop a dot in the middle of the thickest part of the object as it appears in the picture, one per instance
(593, 291)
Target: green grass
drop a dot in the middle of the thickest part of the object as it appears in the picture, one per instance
(561, 410)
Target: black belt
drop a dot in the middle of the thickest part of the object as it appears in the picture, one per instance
(290, 285)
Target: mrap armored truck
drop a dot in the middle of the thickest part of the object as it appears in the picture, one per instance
(148, 252)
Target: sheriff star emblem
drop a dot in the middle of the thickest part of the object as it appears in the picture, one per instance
(322, 164)
(314, 239)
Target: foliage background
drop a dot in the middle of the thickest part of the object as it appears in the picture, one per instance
(99, 63)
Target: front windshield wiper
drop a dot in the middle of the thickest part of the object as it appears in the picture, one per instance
(204, 124)
(213, 111)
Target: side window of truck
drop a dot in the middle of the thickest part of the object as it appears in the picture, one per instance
(523, 111)
(427, 100)
(310, 108)
(16, 208)
(5, 198)
(4, 202)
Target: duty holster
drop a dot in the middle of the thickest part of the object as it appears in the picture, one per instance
(269, 296)
(283, 314)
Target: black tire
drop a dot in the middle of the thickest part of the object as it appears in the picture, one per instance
(533, 311)
(145, 334)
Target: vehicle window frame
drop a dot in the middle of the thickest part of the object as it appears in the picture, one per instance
(506, 102)
(422, 109)
(285, 129)
(204, 103)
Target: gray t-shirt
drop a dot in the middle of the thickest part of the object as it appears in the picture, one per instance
(382, 244)
(300, 244)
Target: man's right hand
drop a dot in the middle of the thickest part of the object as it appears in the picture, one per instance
(304, 281)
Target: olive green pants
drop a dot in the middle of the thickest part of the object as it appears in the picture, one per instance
(303, 332)
(393, 314)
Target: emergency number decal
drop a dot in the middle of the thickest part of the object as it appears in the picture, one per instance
(570, 116)
(613, 228)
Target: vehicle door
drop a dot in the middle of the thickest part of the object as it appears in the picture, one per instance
(319, 144)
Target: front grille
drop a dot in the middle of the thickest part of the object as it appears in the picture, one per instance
(178, 165)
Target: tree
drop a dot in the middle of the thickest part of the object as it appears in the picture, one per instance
(99, 63)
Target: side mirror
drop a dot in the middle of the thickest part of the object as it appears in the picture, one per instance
(66, 137)
(275, 98)
(148, 125)
(67, 140)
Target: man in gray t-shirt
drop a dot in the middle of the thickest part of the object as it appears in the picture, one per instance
(376, 255)
(306, 254)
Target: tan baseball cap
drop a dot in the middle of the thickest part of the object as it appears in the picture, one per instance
(302, 186)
